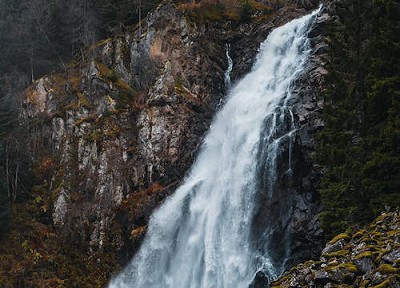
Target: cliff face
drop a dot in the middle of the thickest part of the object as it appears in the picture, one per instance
(115, 134)
(126, 118)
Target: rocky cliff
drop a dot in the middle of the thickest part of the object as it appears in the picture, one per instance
(114, 135)
(127, 117)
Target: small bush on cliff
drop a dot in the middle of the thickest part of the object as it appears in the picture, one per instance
(112, 75)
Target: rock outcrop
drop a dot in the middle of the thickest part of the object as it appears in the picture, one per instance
(367, 258)
(116, 133)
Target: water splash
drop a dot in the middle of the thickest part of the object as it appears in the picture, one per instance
(201, 236)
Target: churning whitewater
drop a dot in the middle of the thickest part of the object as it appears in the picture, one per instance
(201, 236)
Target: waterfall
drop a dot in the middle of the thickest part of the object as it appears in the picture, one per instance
(202, 235)
(227, 76)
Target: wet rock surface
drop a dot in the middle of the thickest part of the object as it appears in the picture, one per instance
(367, 259)
(293, 206)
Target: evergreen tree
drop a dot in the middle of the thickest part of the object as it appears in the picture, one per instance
(359, 145)
(5, 120)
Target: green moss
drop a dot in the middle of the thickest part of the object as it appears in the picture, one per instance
(387, 269)
(382, 217)
(380, 253)
(359, 234)
(343, 236)
(372, 248)
(346, 266)
(337, 254)
(364, 283)
(112, 75)
(377, 235)
(279, 283)
(121, 84)
(367, 254)
(384, 284)
(393, 233)
(370, 241)
(179, 85)
(349, 267)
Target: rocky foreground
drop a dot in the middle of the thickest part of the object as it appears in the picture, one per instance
(367, 258)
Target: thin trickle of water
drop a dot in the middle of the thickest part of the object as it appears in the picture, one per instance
(228, 71)
(201, 236)
(291, 140)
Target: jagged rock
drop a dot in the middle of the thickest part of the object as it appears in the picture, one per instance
(377, 278)
(114, 135)
(342, 275)
(392, 257)
(320, 278)
(308, 4)
(334, 247)
(365, 265)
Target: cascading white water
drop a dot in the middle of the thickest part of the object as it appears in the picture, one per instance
(227, 76)
(201, 236)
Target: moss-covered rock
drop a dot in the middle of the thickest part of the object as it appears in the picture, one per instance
(343, 236)
(387, 269)
(337, 254)
(369, 259)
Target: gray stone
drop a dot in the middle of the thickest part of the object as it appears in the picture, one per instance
(365, 265)
(334, 247)
(321, 278)
(392, 256)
